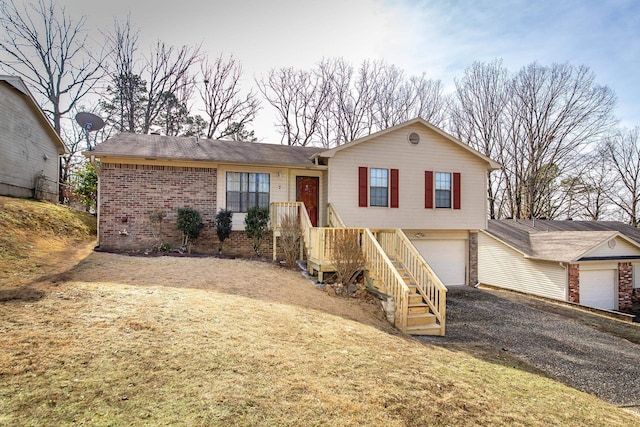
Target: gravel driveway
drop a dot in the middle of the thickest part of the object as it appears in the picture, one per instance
(574, 353)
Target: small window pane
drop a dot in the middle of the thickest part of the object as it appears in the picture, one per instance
(443, 190)
(379, 187)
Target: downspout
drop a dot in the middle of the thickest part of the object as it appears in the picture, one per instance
(566, 279)
(92, 160)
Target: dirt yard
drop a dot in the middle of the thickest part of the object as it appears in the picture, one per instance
(260, 280)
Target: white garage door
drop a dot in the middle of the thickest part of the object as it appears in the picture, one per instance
(597, 289)
(447, 258)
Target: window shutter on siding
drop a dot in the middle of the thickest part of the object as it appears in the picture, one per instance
(456, 190)
(428, 189)
(363, 183)
(394, 188)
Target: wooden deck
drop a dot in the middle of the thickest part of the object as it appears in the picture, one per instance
(393, 265)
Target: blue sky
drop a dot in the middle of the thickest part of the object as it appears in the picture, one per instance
(440, 38)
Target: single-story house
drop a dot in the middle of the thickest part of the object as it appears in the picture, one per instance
(412, 176)
(596, 264)
(30, 149)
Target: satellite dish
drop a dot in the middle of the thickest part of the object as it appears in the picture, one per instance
(89, 122)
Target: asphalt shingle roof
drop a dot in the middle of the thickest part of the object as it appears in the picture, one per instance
(189, 148)
(558, 240)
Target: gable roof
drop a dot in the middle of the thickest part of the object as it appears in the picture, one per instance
(161, 147)
(18, 84)
(564, 241)
(493, 165)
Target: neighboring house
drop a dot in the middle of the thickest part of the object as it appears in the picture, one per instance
(596, 264)
(30, 148)
(412, 176)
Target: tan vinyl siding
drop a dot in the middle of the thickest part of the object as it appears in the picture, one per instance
(598, 265)
(393, 151)
(501, 266)
(324, 194)
(282, 185)
(621, 248)
(26, 148)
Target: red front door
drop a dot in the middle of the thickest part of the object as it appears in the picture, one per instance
(307, 192)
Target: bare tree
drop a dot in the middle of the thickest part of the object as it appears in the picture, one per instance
(623, 153)
(336, 103)
(353, 99)
(168, 71)
(299, 98)
(148, 90)
(126, 88)
(557, 110)
(428, 100)
(478, 119)
(589, 189)
(399, 99)
(224, 103)
(45, 46)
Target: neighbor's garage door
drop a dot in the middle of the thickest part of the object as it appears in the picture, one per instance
(447, 258)
(597, 289)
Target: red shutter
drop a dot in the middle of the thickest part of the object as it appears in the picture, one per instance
(456, 190)
(394, 188)
(363, 183)
(428, 189)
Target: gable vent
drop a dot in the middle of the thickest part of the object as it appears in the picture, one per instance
(414, 138)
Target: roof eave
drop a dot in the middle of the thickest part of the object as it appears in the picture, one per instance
(493, 236)
(93, 154)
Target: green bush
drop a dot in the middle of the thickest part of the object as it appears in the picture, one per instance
(86, 187)
(223, 226)
(190, 223)
(256, 225)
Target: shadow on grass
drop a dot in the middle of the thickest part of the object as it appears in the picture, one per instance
(21, 294)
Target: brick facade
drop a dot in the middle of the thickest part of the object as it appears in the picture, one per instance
(473, 258)
(129, 193)
(574, 283)
(238, 244)
(627, 296)
(625, 286)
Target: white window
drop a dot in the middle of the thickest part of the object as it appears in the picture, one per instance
(379, 187)
(443, 190)
(246, 190)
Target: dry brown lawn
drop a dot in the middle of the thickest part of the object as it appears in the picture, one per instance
(101, 339)
(120, 340)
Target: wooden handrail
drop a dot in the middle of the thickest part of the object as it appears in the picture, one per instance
(397, 245)
(280, 209)
(333, 218)
(381, 267)
(377, 246)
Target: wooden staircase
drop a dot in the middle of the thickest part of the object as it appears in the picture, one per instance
(420, 319)
(394, 265)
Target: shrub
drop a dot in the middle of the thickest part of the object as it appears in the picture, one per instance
(190, 224)
(155, 219)
(290, 238)
(347, 256)
(86, 186)
(256, 225)
(223, 226)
